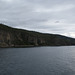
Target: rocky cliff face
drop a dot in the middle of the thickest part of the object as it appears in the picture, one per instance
(11, 37)
(6, 38)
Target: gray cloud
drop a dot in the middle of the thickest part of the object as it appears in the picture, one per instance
(48, 16)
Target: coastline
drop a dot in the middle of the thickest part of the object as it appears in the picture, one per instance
(29, 46)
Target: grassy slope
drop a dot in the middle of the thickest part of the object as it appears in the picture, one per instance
(50, 39)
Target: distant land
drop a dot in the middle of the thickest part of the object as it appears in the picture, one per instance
(13, 37)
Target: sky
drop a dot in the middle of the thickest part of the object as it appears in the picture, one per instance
(46, 16)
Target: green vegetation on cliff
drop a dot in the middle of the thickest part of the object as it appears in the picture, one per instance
(12, 37)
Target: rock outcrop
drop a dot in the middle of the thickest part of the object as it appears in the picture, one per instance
(12, 37)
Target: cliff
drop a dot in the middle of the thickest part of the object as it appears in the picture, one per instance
(12, 37)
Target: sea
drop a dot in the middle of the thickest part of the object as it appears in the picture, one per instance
(57, 60)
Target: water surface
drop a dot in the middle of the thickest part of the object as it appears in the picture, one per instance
(37, 61)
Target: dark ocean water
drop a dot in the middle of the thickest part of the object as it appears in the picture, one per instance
(38, 61)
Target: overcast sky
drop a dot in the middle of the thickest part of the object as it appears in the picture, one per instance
(47, 16)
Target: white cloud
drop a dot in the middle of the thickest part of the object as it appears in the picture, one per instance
(7, 0)
(70, 34)
(57, 8)
(48, 16)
